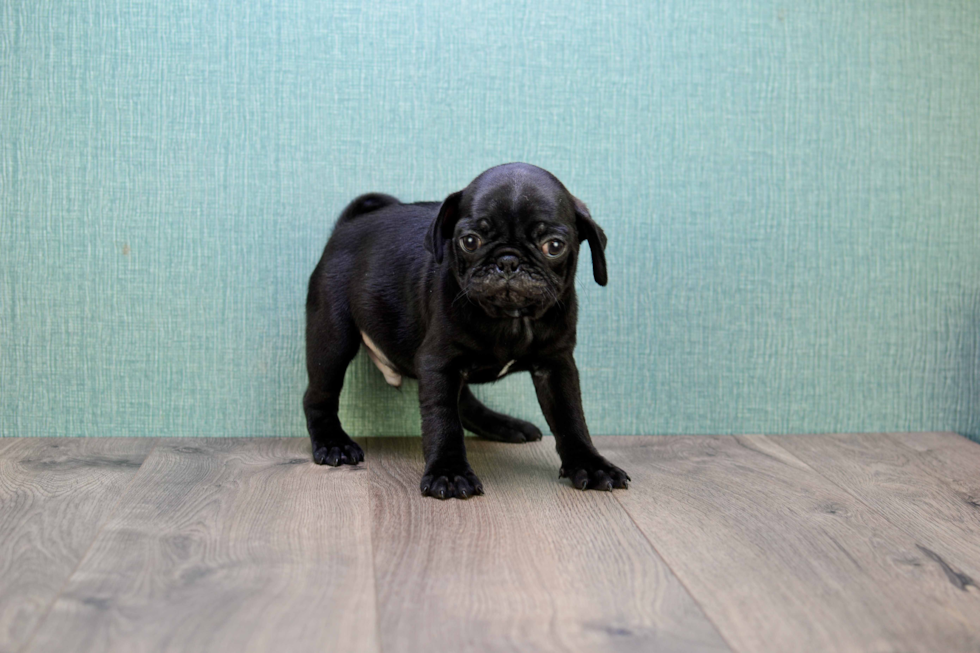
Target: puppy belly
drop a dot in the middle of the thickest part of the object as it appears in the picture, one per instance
(381, 362)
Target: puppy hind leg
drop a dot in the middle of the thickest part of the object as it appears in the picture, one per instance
(331, 344)
(491, 425)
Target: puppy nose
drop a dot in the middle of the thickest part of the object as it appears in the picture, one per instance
(508, 264)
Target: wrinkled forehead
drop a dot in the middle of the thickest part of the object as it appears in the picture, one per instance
(520, 200)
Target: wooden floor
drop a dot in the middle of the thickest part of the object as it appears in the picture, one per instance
(791, 543)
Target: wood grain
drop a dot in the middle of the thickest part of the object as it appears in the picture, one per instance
(896, 482)
(780, 558)
(533, 565)
(843, 543)
(226, 545)
(948, 456)
(55, 494)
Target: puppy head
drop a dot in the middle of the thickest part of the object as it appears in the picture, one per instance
(512, 238)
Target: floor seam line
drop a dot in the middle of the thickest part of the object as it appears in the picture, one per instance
(44, 617)
(687, 589)
(911, 534)
(374, 565)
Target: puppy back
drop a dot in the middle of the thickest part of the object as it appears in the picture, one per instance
(366, 204)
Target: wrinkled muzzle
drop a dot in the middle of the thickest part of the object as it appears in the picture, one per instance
(504, 291)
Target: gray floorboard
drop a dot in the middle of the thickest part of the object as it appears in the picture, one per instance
(533, 565)
(749, 543)
(781, 558)
(896, 482)
(55, 495)
(226, 545)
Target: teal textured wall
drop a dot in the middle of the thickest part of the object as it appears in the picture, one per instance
(791, 191)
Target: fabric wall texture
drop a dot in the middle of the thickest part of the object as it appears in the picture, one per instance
(791, 193)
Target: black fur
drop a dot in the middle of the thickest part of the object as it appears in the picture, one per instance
(450, 318)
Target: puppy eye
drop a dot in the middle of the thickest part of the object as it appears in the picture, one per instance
(470, 243)
(553, 248)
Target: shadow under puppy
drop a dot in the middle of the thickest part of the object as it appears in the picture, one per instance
(462, 292)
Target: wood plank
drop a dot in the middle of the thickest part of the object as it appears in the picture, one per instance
(226, 545)
(55, 494)
(895, 481)
(949, 456)
(780, 558)
(534, 565)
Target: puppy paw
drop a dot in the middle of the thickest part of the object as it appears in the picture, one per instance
(594, 474)
(338, 454)
(448, 484)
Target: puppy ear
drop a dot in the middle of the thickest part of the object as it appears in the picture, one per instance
(590, 231)
(443, 226)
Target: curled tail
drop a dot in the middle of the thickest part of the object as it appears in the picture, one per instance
(365, 204)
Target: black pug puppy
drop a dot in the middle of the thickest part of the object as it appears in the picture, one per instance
(461, 292)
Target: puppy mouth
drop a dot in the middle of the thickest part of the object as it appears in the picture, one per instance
(508, 302)
(524, 294)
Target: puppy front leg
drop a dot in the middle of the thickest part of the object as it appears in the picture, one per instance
(447, 472)
(557, 387)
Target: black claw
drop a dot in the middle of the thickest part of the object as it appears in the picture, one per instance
(341, 454)
(452, 485)
(595, 474)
